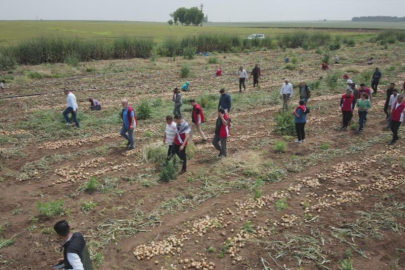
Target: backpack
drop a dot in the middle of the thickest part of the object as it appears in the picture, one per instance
(307, 111)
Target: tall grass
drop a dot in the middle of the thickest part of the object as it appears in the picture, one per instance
(305, 40)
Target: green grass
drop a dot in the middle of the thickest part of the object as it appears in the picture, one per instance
(281, 204)
(91, 186)
(53, 208)
(280, 147)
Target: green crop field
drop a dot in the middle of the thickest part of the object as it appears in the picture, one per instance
(13, 31)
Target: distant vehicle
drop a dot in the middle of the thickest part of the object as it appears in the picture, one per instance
(256, 36)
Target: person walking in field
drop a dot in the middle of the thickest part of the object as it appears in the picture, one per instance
(366, 90)
(170, 133)
(76, 255)
(256, 75)
(393, 100)
(177, 101)
(181, 140)
(286, 93)
(95, 105)
(186, 87)
(197, 117)
(222, 132)
(305, 92)
(375, 80)
(242, 78)
(397, 115)
(300, 115)
(3, 88)
(346, 76)
(72, 108)
(347, 103)
(363, 105)
(225, 101)
(129, 123)
(389, 93)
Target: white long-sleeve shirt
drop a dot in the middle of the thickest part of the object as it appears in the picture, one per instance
(75, 261)
(71, 101)
(402, 114)
(287, 89)
(242, 74)
(393, 99)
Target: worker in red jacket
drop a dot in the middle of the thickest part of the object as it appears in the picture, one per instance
(197, 117)
(397, 116)
(347, 103)
(222, 129)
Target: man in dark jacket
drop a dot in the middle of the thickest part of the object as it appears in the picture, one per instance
(387, 100)
(375, 80)
(75, 253)
(256, 74)
(225, 101)
(305, 92)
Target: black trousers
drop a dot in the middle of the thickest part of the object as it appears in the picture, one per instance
(347, 117)
(394, 128)
(300, 128)
(386, 109)
(169, 151)
(374, 86)
(255, 81)
(180, 153)
(242, 83)
(96, 108)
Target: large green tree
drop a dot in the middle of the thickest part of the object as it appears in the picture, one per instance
(185, 16)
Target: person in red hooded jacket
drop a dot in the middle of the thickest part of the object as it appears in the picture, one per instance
(347, 103)
(222, 129)
(197, 117)
(397, 117)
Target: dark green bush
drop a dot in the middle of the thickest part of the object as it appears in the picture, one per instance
(144, 110)
(285, 124)
(185, 71)
(189, 53)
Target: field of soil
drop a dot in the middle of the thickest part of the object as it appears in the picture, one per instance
(336, 201)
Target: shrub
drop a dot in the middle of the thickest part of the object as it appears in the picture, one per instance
(88, 206)
(91, 185)
(281, 204)
(280, 147)
(154, 153)
(325, 146)
(290, 67)
(354, 126)
(144, 111)
(332, 79)
(318, 51)
(257, 188)
(7, 61)
(191, 149)
(72, 60)
(334, 46)
(170, 48)
(35, 75)
(294, 60)
(169, 171)
(208, 101)
(157, 102)
(285, 124)
(326, 58)
(185, 71)
(50, 209)
(213, 60)
(189, 53)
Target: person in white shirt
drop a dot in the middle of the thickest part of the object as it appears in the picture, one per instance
(71, 109)
(3, 89)
(393, 100)
(171, 130)
(242, 78)
(286, 93)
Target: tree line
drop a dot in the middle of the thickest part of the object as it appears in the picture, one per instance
(378, 19)
(187, 16)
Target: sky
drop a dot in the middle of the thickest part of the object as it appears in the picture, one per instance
(217, 10)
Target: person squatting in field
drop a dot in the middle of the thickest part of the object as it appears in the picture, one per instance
(242, 78)
(186, 87)
(181, 139)
(397, 115)
(197, 117)
(72, 108)
(347, 103)
(225, 101)
(170, 133)
(222, 132)
(286, 93)
(363, 105)
(95, 105)
(76, 255)
(300, 118)
(256, 73)
(177, 101)
(129, 123)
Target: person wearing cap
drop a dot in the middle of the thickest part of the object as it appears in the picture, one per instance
(397, 114)
(186, 87)
(225, 101)
(76, 255)
(177, 101)
(363, 105)
(305, 92)
(349, 84)
(389, 93)
(72, 108)
(256, 73)
(95, 105)
(286, 93)
(197, 117)
(242, 78)
(347, 103)
(222, 132)
(375, 80)
(393, 100)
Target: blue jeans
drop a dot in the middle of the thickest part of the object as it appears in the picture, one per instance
(74, 116)
(305, 99)
(129, 137)
(362, 118)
